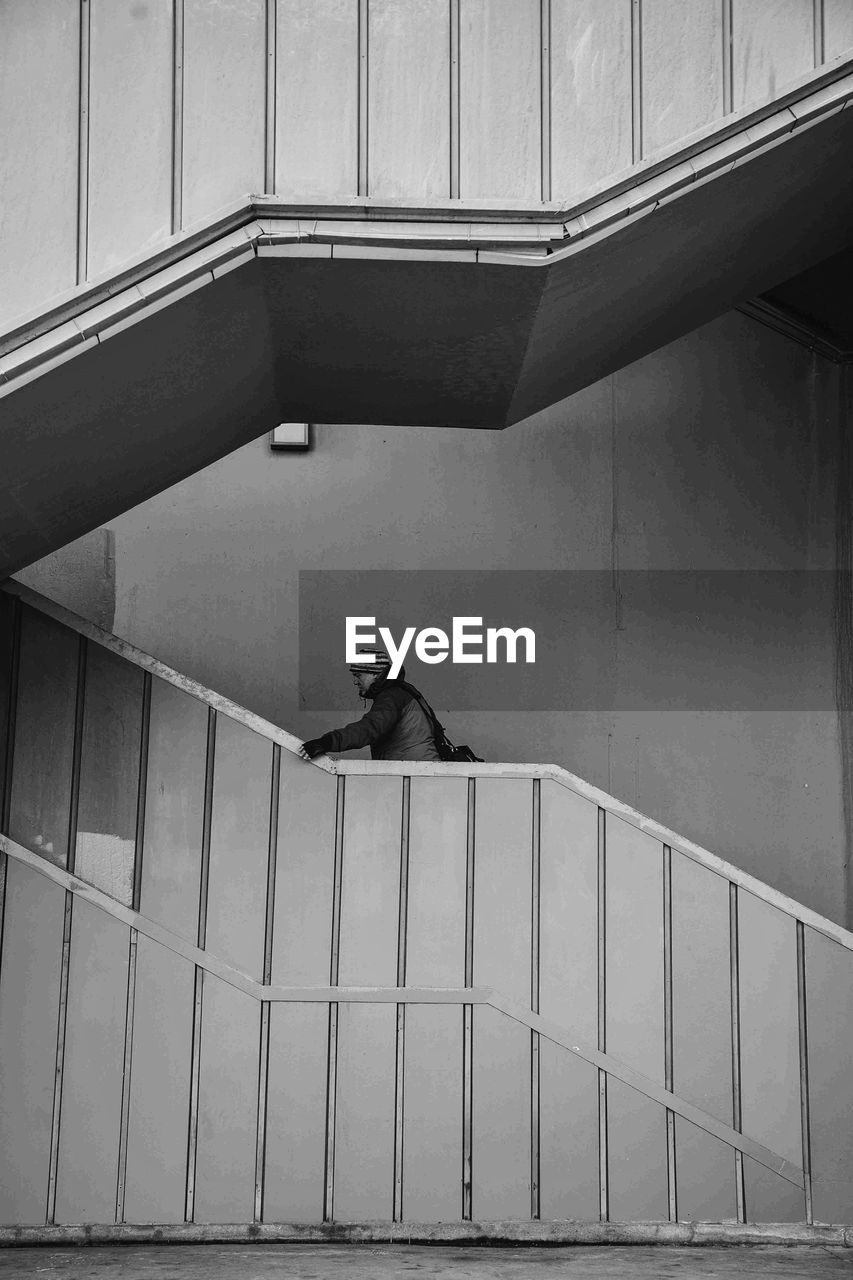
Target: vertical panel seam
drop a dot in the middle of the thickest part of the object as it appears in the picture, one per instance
(77, 753)
(535, 1057)
(671, 1166)
(334, 971)
(400, 1053)
(805, 1117)
(198, 990)
(8, 760)
(603, 1152)
(728, 57)
(11, 717)
(734, 988)
(819, 33)
(454, 99)
(177, 214)
(269, 924)
(271, 96)
(545, 96)
(83, 142)
(468, 1013)
(59, 1067)
(126, 1077)
(142, 792)
(637, 80)
(363, 97)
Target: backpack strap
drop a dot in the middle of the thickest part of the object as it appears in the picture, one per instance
(437, 727)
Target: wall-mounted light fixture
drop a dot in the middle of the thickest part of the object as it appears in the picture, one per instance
(291, 435)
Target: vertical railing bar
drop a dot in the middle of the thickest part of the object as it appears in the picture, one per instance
(637, 80)
(11, 717)
(363, 103)
(177, 116)
(671, 1168)
(728, 58)
(468, 1013)
(400, 1068)
(198, 991)
(802, 1012)
(271, 90)
(73, 807)
(127, 1068)
(454, 100)
(535, 1080)
(142, 792)
(334, 972)
(83, 143)
(819, 33)
(77, 753)
(59, 1069)
(603, 1154)
(545, 96)
(269, 923)
(734, 964)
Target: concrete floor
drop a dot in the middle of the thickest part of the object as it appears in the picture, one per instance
(425, 1262)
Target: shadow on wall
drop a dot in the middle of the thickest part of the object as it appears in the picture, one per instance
(80, 576)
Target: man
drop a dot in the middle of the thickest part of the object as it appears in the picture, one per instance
(395, 728)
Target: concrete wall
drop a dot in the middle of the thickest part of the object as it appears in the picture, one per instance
(187, 108)
(716, 453)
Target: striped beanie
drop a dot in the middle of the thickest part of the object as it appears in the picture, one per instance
(378, 662)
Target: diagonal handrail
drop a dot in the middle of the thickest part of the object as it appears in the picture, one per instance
(408, 768)
(483, 996)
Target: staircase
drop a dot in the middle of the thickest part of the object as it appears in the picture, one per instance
(245, 996)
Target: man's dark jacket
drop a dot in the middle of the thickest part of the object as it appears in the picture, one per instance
(395, 728)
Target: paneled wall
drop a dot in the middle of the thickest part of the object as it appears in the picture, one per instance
(162, 1061)
(130, 122)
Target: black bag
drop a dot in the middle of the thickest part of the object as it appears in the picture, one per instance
(443, 745)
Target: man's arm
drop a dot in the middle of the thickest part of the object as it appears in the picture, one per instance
(373, 725)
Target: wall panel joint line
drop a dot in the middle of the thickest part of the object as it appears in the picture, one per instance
(468, 1012)
(734, 961)
(603, 1154)
(195, 1078)
(77, 753)
(126, 1077)
(6, 781)
(637, 80)
(819, 33)
(271, 76)
(454, 100)
(728, 58)
(802, 1017)
(334, 971)
(59, 1067)
(177, 116)
(363, 95)
(144, 737)
(671, 1167)
(261, 1132)
(545, 90)
(535, 897)
(83, 143)
(11, 718)
(400, 1053)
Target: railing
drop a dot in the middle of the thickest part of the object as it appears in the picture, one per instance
(237, 988)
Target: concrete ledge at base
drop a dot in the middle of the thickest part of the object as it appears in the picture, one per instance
(556, 1232)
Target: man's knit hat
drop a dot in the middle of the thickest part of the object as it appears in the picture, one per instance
(379, 662)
